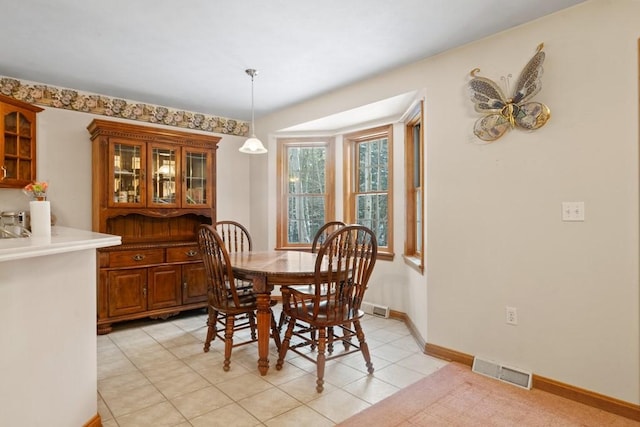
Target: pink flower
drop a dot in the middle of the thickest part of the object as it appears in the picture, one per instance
(36, 189)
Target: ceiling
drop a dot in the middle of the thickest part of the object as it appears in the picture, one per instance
(192, 55)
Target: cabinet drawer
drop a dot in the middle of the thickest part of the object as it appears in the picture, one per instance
(184, 253)
(136, 257)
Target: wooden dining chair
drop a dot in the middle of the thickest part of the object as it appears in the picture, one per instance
(342, 271)
(236, 238)
(224, 300)
(321, 235)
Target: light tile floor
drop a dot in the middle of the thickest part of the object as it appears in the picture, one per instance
(155, 373)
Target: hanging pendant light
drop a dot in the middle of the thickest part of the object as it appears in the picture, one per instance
(252, 145)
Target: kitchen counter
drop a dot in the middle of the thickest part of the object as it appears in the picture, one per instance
(48, 333)
(63, 239)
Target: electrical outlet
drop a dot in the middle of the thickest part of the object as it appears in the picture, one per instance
(573, 211)
(512, 316)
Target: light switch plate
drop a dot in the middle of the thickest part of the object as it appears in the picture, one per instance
(573, 211)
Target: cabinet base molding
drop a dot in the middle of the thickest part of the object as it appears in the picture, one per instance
(165, 316)
(106, 326)
(596, 400)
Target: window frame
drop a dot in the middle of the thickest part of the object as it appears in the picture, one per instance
(282, 214)
(413, 255)
(350, 164)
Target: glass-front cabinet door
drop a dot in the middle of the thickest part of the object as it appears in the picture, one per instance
(164, 166)
(17, 144)
(159, 175)
(126, 172)
(196, 167)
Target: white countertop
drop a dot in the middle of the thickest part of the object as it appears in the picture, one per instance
(63, 239)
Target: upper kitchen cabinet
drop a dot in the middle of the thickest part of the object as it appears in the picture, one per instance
(17, 142)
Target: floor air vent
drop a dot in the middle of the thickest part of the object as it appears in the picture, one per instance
(503, 373)
(376, 310)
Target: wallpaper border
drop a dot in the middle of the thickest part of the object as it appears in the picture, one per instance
(69, 99)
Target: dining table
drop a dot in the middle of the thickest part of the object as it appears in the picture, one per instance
(267, 269)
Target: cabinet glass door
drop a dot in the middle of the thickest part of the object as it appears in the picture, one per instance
(127, 173)
(164, 174)
(19, 159)
(197, 186)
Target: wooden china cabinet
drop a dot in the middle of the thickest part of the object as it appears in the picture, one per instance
(153, 187)
(17, 142)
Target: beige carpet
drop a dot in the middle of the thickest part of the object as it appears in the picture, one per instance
(455, 396)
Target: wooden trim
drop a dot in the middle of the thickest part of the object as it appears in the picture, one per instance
(596, 400)
(411, 191)
(412, 327)
(349, 173)
(586, 397)
(138, 132)
(448, 354)
(20, 104)
(95, 421)
(282, 185)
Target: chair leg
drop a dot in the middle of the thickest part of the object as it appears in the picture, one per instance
(364, 347)
(320, 361)
(228, 342)
(347, 342)
(283, 319)
(211, 330)
(284, 291)
(312, 338)
(284, 346)
(275, 331)
(252, 324)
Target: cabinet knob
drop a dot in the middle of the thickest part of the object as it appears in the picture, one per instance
(191, 253)
(184, 286)
(4, 172)
(138, 257)
(144, 291)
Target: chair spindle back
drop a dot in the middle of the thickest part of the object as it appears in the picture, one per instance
(343, 268)
(235, 236)
(221, 284)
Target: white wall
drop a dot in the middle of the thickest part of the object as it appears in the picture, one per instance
(494, 233)
(64, 160)
(48, 340)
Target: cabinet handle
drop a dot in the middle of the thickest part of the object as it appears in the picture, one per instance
(138, 257)
(144, 291)
(4, 172)
(191, 253)
(184, 286)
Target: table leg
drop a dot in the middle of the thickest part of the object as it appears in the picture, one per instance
(264, 331)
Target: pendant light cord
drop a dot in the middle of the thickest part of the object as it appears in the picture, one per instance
(252, 72)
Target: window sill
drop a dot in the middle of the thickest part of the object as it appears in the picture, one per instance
(414, 262)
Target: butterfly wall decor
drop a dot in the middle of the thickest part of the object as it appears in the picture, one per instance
(506, 113)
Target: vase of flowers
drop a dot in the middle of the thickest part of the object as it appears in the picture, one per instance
(36, 190)
(40, 209)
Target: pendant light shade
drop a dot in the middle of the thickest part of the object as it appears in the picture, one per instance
(252, 145)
